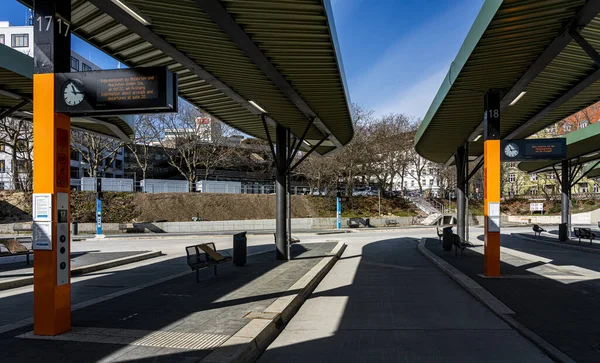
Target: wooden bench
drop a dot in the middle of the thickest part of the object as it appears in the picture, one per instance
(23, 227)
(460, 244)
(14, 248)
(204, 255)
(537, 230)
(391, 222)
(353, 223)
(584, 233)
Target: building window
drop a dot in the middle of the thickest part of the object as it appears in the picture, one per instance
(20, 40)
(595, 188)
(22, 166)
(584, 123)
(533, 177)
(74, 172)
(511, 178)
(511, 164)
(74, 155)
(533, 191)
(2, 186)
(21, 145)
(430, 182)
(567, 127)
(85, 67)
(74, 64)
(119, 164)
(584, 188)
(1, 38)
(551, 176)
(412, 183)
(2, 166)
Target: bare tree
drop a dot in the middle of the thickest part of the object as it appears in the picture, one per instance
(98, 152)
(190, 142)
(141, 146)
(16, 138)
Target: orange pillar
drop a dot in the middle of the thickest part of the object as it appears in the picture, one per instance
(51, 171)
(491, 184)
(491, 170)
(51, 174)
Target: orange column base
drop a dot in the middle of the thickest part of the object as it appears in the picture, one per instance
(491, 179)
(491, 266)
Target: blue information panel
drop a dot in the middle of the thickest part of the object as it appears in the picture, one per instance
(534, 149)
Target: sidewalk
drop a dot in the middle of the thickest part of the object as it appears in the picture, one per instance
(385, 302)
(174, 321)
(554, 291)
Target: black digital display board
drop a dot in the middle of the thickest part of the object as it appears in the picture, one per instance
(116, 92)
(534, 149)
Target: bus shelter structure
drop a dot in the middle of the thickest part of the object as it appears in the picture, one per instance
(583, 157)
(529, 64)
(270, 69)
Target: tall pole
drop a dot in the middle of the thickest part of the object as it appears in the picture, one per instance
(491, 180)
(289, 213)
(565, 215)
(281, 190)
(338, 205)
(460, 159)
(51, 176)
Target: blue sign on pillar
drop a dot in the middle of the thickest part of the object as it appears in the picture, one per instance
(98, 216)
(338, 201)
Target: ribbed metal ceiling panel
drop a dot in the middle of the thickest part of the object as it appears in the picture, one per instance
(295, 36)
(507, 46)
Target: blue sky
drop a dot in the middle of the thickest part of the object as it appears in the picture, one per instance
(395, 52)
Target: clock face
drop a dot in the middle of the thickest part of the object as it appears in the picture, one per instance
(511, 150)
(73, 92)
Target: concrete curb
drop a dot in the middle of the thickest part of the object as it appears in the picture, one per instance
(495, 305)
(557, 244)
(249, 342)
(77, 271)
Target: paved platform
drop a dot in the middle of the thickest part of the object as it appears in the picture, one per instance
(19, 274)
(385, 302)
(178, 320)
(554, 291)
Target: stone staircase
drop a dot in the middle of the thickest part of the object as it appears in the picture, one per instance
(433, 214)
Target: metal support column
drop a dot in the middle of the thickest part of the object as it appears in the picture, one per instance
(51, 137)
(281, 190)
(491, 184)
(460, 158)
(564, 229)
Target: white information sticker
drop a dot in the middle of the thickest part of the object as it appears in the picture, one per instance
(42, 207)
(493, 218)
(42, 235)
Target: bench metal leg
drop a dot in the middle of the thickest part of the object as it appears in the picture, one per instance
(197, 275)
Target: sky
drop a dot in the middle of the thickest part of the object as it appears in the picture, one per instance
(395, 52)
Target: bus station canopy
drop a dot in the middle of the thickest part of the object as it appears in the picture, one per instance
(593, 171)
(16, 92)
(540, 55)
(583, 146)
(241, 61)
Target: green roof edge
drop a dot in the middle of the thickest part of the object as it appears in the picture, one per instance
(483, 20)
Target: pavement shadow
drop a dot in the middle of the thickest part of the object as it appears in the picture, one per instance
(214, 306)
(557, 302)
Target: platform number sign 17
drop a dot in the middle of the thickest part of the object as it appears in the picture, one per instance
(44, 24)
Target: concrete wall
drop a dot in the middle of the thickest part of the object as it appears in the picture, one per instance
(578, 218)
(215, 226)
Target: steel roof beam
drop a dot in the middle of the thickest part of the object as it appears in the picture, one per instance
(9, 111)
(583, 17)
(586, 46)
(112, 10)
(229, 26)
(581, 86)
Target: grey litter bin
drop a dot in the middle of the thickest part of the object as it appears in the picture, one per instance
(447, 239)
(240, 248)
(74, 228)
(563, 232)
